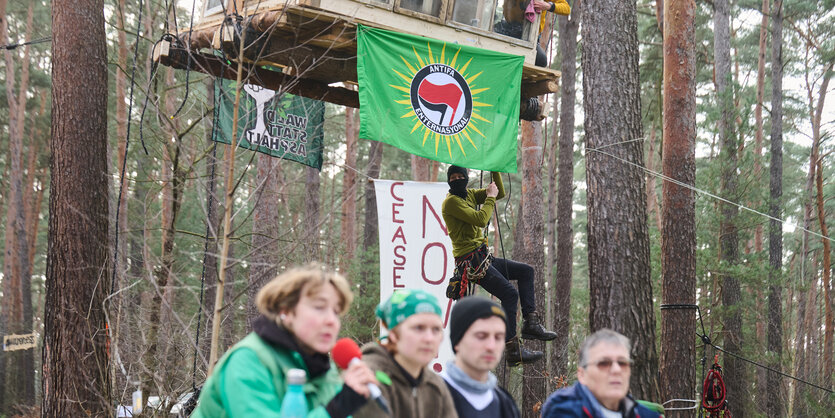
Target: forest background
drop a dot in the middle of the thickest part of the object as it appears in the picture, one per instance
(171, 203)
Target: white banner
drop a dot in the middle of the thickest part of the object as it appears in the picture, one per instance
(415, 249)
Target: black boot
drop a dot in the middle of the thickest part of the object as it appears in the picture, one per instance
(515, 354)
(532, 329)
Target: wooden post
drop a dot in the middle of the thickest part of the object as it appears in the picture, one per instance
(227, 214)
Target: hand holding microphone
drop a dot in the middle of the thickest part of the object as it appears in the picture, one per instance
(347, 355)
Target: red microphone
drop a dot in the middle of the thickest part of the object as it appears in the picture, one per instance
(346, 352)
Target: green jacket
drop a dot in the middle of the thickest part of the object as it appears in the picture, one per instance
(430, 398)
(249, 381)
(464, 222)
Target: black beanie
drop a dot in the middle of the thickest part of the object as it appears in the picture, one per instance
(468, 310)
(456, 169)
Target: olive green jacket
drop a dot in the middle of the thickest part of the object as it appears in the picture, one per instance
(464, 222)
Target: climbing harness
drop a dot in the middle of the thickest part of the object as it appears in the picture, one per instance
(469, 270)
(713, 392)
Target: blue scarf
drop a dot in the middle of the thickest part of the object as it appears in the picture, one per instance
(468, 383)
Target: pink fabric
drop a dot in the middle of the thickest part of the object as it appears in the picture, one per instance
(530, 12)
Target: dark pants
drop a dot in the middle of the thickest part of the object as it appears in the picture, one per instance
(541, 58)
(499, 286)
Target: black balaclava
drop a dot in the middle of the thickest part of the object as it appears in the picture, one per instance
(458, 187)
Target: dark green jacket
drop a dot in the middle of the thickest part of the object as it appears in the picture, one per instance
(464, 222)
(250, 381)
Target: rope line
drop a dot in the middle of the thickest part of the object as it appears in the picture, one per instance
(707, 341)
(151, 76)
(188, 62)
(125, 156)
(36, 41)
(122, 176)
(707, 193)
(209, 215)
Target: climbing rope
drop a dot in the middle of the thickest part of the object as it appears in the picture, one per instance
(714, 393)
(188, 53)
(711, 377)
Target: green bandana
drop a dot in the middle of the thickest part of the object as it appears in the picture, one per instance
(405, 303)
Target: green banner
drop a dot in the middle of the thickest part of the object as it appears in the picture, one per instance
(447, 102)
(284, 126)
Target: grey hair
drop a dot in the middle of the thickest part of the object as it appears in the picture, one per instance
(604, 335)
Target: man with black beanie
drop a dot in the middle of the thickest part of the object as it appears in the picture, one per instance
(474, 264)
(477, 329)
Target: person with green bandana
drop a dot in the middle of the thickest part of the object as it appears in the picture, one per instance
(413, 320)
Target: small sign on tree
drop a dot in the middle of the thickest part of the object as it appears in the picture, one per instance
(19, 342)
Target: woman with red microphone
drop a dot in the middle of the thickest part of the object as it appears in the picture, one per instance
(300, 320)
(413, 318)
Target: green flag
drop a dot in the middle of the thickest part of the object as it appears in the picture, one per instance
(284, 126)
(447, 102)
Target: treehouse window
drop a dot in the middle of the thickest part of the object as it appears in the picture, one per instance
(213, 6)
(478, 13)
(510, 19)
(505, 17)
(426, 7)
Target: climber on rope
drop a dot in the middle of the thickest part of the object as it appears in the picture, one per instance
(476, 266)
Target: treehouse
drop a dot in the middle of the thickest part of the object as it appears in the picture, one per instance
(309, 46)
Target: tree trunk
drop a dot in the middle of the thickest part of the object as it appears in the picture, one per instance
(549, 277)
(75, 363)
(653, 207)
(729, 241)
(806, 308)
(775, 395)
(762, 385)
(825, 274)
(568, 28)
(349, 189)
(533, 235)
(375, 159)
(369, 274)
(16, 367)
(423, 169)
(678, 236)
(227, 324)
(618, 240)
(312, 184)
(266, 230)
(160, 313)
(122, 231)
(212, 227)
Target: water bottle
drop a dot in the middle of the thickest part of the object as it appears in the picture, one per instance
(294, 404)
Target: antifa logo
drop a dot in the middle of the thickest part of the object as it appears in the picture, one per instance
(441, 99)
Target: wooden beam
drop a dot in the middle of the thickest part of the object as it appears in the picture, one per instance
(312, 62)
(172, 56)
(539, 88)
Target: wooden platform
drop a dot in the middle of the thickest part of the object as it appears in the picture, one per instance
(313, 43)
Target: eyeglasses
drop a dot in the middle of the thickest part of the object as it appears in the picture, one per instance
(606, 364)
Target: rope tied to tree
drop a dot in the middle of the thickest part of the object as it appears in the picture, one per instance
(714, 393)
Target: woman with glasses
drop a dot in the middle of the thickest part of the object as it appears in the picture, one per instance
(602, 388)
